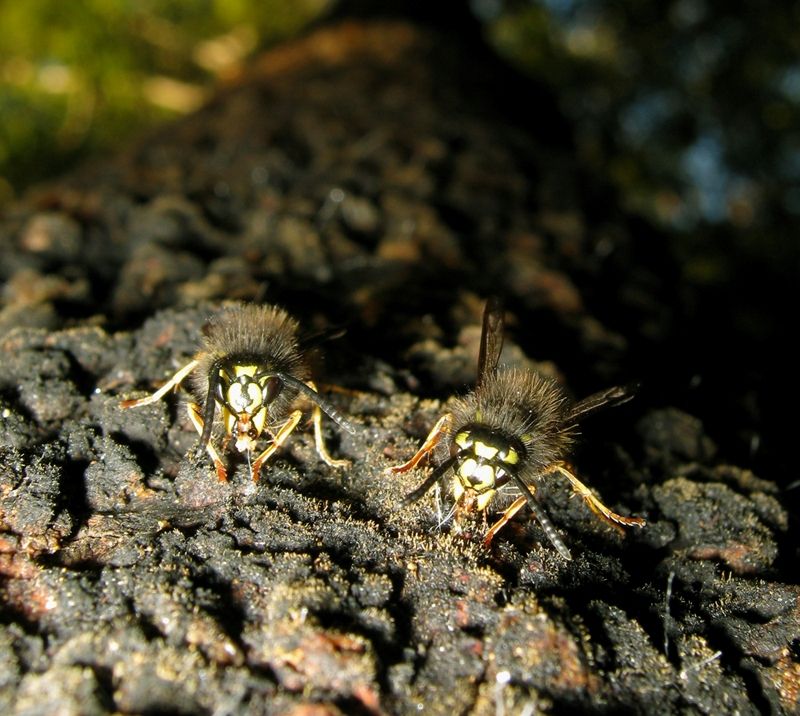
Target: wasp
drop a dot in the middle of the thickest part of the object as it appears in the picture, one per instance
(513, 429)
(251, 368)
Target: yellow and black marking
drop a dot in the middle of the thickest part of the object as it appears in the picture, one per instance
(251, 368)
(515, 427)
(484, 460)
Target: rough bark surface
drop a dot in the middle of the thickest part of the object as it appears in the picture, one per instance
(376, 175)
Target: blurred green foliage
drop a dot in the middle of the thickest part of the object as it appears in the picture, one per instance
(690, 107)
(80, 78)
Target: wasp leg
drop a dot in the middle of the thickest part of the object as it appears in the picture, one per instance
(279, 439)
(511, 510)
(195, 415)
(594, 503)
(173, 382)
(441, 427)
(319, 442)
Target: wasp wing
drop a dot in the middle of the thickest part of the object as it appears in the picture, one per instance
(491, 338)
(311, 341)
(617, 395)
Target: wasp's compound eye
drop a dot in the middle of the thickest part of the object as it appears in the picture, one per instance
(272, 389)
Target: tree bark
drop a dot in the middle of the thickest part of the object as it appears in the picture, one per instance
(388, 178)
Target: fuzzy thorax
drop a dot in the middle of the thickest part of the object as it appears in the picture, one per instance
(519, 412)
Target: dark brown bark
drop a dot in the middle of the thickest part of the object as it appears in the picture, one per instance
(389, 178)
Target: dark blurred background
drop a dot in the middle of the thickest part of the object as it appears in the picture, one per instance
(683, 116)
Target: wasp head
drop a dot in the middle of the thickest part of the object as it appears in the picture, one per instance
(245, 393)
(484, 460)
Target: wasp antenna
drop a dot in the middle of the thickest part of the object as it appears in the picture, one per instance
(541, 516)
(325, 405)
(430, 481)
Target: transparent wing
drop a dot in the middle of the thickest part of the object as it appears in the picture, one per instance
(604, 399)
(310, 341)
(491, 338)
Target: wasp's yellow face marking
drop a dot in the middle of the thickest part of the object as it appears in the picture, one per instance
(477, 499)
(243, 405)
(485, 458)
(463, 439)
(476, 476)
(512, 458)
(244, 398)
(484, 499)
(467, 468)
(484, 450)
